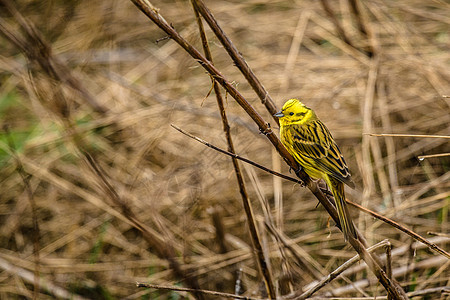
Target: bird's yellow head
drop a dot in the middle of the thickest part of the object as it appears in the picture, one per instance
(295, 112)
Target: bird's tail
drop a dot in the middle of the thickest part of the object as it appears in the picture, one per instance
(347, 227)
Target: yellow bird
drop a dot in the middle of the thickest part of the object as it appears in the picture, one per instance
(310, 142)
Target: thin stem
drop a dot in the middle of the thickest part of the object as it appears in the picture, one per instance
(422, 157)
(389, 260)
(261, 259)
(410, 135)
(182, 289)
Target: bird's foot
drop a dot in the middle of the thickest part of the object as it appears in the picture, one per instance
(265, 131)
(295, 171)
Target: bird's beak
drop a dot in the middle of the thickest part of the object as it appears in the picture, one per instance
(279, 114)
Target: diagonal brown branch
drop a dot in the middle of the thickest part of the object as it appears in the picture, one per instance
(182, 289)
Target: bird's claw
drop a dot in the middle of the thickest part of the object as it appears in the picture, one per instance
(297, 172)
(266, 130)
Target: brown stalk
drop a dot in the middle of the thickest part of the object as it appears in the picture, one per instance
(389, 260)
(389, 141)
(182, 289)
(36, 231)
(410, 135)
(392, 287)
(256, 241)
(388, 249)
(216, 216)
(367, 109)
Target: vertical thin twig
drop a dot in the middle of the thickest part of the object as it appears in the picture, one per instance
(297, 39)
(410, 263)
(216, 216)
(380, 171)
(264, 265)
(367, 109)
(390, 146)
(277, 191)
(388, 247)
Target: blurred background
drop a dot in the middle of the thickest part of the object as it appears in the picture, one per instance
(99, 77)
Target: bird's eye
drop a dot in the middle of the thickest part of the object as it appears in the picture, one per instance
(291, 113)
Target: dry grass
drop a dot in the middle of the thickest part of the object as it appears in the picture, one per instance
(60, 220)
